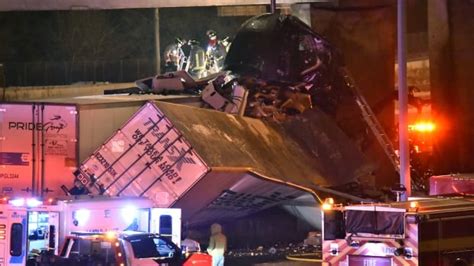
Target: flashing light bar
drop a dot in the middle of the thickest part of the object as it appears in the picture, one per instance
(30, 202)
(17, 202)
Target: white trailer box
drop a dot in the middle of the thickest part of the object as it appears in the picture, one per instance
(42, 143)
(146, 157)
(38, 147)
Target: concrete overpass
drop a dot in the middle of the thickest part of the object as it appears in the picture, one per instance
(30, 5)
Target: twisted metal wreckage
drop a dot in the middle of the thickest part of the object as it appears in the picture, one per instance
(276, 69)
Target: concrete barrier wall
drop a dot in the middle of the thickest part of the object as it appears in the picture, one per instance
(43, 92)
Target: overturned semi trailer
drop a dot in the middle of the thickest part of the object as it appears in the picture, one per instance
(215, 166)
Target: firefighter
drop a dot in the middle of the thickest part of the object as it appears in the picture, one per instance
(215, 53)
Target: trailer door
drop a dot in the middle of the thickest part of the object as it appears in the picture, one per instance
(167, 223)
(3, 236)
(53, 234)
(16, 237)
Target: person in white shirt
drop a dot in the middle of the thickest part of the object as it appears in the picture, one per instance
(189, 244)
(217, 245)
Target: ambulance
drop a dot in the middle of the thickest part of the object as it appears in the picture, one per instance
(29, 226)
(424, 231)
(26, 225)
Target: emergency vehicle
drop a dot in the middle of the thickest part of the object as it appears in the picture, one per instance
(28, 226)
(124, 248)
(428, 231)
(460, 184)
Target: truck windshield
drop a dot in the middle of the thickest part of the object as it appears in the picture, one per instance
(152, 247)
(375, 222)
(89, 250)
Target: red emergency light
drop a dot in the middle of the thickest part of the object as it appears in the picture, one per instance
(422, 127)
(327, 204)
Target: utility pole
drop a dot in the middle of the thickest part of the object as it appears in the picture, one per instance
(405, 178)
(157, 41)
(273, 6)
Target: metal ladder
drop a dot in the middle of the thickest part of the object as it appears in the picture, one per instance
(372, 121)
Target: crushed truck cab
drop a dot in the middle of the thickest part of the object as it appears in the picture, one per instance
(428, 231)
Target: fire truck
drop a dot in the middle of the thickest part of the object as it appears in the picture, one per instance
(28, 225)
(461, 184)
(424, 231)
